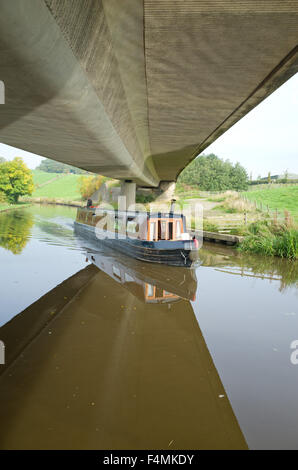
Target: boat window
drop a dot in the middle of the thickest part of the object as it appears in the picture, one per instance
(178, 228)
(162, 230)
(150, 291)
(168, 294)
(152, 233)
(133, 227)
(159, 293)
(129, 278)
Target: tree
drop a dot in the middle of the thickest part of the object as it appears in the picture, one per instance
(210, 173)
(89, 184)
(51, 166)
(269, 177)
(15, 180)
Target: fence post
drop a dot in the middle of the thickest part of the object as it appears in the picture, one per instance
(287, 218)
(245, 218)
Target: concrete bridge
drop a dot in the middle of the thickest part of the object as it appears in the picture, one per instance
(135, 89)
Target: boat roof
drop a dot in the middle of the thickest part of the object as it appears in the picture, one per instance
(133, 214)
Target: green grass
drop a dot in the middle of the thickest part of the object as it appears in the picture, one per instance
(226, 210)
(66, 187)
(6, 206)
(41, 177)
(209, 226)
(281, 198)
(217, 199)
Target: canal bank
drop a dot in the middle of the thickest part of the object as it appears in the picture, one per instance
(10, 207)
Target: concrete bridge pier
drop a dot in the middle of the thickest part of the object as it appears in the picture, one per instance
(166, 190)
(163, 193)
(128, 189)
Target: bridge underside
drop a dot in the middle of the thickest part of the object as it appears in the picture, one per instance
(136, 89)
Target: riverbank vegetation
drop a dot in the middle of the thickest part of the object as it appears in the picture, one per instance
(262, 231)
(271, 239)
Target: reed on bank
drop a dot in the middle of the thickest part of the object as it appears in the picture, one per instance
(271, 239)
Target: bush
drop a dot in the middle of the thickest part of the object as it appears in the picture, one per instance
(271, 240)
(144, 199)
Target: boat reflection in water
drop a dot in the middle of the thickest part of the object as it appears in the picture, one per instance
(123, 365)
(149, 283)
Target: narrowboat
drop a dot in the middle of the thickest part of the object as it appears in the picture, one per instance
(146, 236)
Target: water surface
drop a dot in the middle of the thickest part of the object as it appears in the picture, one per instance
(143, 356)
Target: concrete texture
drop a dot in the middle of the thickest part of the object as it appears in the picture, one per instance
(128, 191)
(136, 89)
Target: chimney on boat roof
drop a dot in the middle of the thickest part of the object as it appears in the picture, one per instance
(172, 206)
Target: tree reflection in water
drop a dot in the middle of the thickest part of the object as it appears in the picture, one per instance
(242, 264)
(15, 230)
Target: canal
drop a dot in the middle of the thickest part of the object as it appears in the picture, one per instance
(106, 352)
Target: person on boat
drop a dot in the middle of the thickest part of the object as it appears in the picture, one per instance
(89, 203)
(196, 243)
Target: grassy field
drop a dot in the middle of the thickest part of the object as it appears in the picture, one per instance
(61, 187)
(41, 177)
(277, 198)
(65, 187)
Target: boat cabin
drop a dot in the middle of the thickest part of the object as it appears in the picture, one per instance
(141, 225)
(166, 227)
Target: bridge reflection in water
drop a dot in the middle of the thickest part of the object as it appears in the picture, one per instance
(123, 365)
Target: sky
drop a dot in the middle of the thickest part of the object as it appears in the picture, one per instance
(266, 139)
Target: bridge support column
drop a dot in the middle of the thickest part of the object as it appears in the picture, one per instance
(128, 189)
(167, 190)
